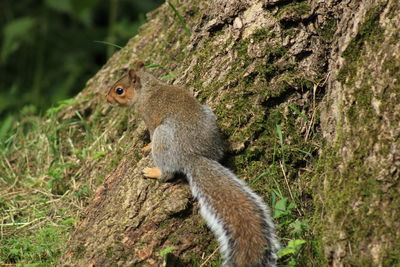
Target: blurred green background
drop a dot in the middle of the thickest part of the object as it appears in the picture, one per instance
(49, 48)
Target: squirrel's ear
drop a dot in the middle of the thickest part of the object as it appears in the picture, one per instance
(139, 65)
(134, 79)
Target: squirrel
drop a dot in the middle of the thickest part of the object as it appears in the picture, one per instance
(185, 139)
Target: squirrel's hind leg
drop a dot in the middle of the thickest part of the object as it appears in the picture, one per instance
(165, 150)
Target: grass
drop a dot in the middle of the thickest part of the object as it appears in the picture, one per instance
(43, 160)
(291, 213)
(292, 222)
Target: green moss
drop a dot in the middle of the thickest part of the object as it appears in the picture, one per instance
(361, 106)
(328, 29)
(275, 53)
(349, 198)
(369, 31)
(261, 34)
(241, 47)
(392, 65)
(295, 10)
(110, 252)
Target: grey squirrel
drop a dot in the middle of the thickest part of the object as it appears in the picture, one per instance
(185, 139)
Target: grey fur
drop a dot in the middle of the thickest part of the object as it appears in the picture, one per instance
(187, 140)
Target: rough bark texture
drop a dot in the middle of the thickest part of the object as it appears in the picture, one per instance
(360, 121)
(336, 61)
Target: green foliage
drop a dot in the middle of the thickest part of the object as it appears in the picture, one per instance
(16, 33)
(292, 226)
(5, 127)
(293, 248)
(47, 49)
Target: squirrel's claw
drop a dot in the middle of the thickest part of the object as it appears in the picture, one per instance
(151, 172)
(146, 148)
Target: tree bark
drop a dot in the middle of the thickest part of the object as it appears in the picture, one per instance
(336, 61)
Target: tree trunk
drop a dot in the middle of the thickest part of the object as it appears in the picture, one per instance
(326, 72)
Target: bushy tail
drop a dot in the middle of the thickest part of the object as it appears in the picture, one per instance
(237, 216)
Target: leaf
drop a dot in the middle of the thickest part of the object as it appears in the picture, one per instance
(280, 208)
(169, 76)
(299, 226)
(69, 221)
(99, 154)
(167, 251)
(292, 247)
(151, 66)
(291, 206)
(279, 131)
(5, 126)
(16, 33)
(305, 152)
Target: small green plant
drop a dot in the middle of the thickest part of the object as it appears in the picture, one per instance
(167, 251)
(292, 220)
(284, 211)
(292, 249)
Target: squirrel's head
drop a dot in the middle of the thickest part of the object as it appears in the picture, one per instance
(122, 92)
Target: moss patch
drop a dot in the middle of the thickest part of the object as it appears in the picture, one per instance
(369, 31)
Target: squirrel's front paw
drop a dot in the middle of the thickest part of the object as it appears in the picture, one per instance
(146, 148)
(151, 172)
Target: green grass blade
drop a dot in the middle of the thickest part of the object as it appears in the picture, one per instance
(180, 18)
(298, 112)
(108, 43)
(152, 66)
(279, 131)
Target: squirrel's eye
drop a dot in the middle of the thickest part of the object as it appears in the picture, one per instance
(119, 90)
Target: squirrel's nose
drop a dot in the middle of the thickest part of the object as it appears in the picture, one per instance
(110, 99)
